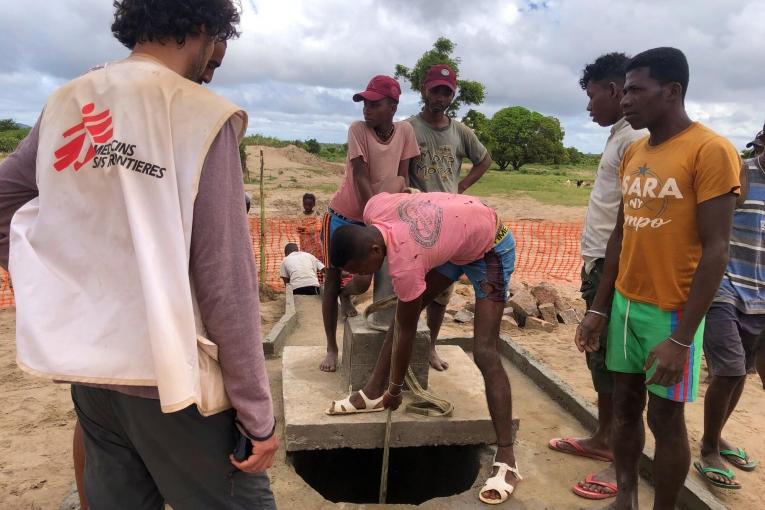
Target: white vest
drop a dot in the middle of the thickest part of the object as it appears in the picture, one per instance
(100, 260)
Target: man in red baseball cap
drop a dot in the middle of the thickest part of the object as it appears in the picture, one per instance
(379, 151)
(444, 143)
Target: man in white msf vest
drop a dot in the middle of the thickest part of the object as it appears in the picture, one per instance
(129, 250)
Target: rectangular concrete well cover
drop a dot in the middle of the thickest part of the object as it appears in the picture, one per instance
(362, 344)
(308, 392)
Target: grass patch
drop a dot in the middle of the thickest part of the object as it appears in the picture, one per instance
(324, 188)
(540, 183)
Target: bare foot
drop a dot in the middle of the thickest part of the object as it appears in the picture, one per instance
(436, 361)
(330, 362)
(346, 307)
(607, 475)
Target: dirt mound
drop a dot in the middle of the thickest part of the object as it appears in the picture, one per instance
(287, 157)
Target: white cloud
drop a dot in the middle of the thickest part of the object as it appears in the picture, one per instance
(298, 61)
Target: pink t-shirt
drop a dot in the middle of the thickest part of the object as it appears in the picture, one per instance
(382, 158)
(425, 230)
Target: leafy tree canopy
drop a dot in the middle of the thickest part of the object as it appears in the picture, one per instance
(469, 92)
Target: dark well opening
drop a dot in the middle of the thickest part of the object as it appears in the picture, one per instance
(415, 475)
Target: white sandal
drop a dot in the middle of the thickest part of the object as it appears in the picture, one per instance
(345, 407)
(498, 483)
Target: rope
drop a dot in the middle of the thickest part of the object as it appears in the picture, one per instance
(429, 404)
(426, 403)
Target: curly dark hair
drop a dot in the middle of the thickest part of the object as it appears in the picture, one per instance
(609, 66)
(137, 21)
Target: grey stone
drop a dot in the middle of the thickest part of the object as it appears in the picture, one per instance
(508, 325)
(513, 288)
(547, 311)
(308, 392)
(524, 305)
(71, 501)
(545, 293)
(463, 316)
(568, 316)
(539, 325)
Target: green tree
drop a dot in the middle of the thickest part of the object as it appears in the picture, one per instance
(479, 123)
(574, 156)
(520, 136)
(312, 146)
(8, 125)
(468, 91)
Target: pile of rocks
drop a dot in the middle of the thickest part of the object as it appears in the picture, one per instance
(539, 307)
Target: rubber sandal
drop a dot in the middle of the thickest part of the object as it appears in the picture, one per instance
(344, 406)
(498, 483)
(740, 454)
(727, 473)
(578, 450)
(590, 494)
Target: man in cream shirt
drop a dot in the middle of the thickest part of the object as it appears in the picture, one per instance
(603, 81)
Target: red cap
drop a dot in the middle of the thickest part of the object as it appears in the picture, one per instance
(379, 87)
(440, 74)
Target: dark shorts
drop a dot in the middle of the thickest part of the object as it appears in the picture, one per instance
(602, 379)
(140, 458)
(731, 339)
(306, 291)
(493, 270)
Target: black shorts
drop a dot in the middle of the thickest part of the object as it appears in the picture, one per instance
(306, 291)
(602, 380)
(730, 339)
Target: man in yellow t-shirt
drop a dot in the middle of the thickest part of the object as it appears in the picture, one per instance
(664, 263)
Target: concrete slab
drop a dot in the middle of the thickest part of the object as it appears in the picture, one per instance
(361, 347)
(307, 392)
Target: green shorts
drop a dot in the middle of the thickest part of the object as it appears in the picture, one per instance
(636, 328)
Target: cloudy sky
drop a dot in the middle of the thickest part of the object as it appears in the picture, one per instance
(298, 62)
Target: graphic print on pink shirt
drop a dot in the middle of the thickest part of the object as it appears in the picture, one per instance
(414, 228)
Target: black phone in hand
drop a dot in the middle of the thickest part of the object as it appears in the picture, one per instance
(242, 445)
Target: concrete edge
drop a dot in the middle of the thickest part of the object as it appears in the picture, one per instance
(694, 496)
(273, 341)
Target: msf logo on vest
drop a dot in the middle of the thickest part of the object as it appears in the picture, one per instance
(95, 128)
(648, 196)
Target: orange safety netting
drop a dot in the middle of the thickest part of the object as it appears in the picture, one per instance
(545, 250)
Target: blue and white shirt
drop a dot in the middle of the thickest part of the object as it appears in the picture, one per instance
(744, 282)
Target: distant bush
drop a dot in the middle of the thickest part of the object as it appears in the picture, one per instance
(312, 146)
(333, 152)
(11, 133)
(266, 141)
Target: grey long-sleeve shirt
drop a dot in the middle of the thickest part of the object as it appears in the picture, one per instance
(222, 269)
